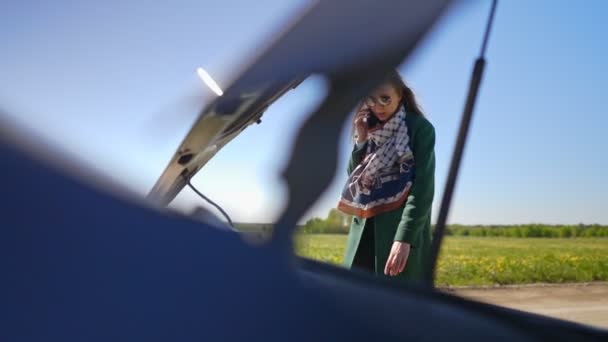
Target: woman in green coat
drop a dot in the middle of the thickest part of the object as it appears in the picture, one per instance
(391, 182)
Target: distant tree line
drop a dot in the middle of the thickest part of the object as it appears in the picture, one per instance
(529, 230)
(337, 222)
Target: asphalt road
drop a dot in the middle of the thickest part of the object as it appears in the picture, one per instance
(583, 303)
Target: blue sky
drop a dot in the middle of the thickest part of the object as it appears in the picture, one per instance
(114, 85)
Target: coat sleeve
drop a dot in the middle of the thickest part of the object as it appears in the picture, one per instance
(417, 210)
(355, 158)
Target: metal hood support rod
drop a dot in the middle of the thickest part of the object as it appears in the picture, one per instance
(458, 151)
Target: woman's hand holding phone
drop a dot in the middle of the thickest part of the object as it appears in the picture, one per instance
(361, 124)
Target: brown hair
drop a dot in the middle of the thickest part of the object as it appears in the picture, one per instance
(408, 100)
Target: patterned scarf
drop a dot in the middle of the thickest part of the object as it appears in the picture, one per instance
(382, 181)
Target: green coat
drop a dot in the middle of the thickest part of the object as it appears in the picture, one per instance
(410, 223)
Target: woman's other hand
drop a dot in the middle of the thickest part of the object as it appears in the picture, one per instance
(397, 258)
(361, 123)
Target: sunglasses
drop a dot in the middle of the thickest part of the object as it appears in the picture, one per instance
(383, 101)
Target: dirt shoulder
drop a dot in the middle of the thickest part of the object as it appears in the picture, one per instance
(580, 302)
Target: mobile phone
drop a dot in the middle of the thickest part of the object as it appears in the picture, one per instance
(372, 120)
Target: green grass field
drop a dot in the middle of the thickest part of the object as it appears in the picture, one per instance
(488, 261)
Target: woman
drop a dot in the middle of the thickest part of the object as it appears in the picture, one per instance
(391, 184)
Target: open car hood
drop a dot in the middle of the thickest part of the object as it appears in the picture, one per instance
(217, 125)
(348, 53)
